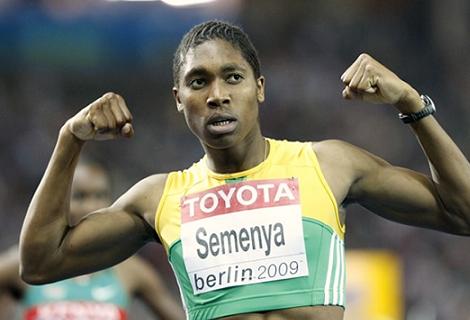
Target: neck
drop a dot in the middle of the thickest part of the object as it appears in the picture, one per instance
(243, 156)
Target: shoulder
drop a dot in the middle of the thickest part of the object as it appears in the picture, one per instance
(332, 147)
(150, 187)
(334, 154)
(289, 151)
(344, 165)
(340, 153)
(177, 181)
(143, 197)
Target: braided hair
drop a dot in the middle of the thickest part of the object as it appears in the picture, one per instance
(212, 30)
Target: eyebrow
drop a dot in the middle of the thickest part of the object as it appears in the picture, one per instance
(229, 67)
(195, 71)
(232, 67)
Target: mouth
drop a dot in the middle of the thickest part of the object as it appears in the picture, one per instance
(221, 124)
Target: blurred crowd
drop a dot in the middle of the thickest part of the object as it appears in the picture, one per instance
(58, 56)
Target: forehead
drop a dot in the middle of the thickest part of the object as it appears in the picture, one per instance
(213, 54)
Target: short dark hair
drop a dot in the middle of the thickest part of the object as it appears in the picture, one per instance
(215, 29)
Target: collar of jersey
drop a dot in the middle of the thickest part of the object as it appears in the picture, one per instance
(234, 175)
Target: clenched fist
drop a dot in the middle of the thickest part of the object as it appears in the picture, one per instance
(105, 118)
(369, 80)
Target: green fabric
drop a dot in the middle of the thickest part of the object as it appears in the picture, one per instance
(234, 180)
(280, 294)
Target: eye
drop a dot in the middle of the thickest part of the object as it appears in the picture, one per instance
(78, 195)
(234, 78)
(197, 83)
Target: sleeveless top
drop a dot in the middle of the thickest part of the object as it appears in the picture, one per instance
(98, 296)
(267, 238)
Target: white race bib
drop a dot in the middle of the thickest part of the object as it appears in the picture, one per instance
(243, 233)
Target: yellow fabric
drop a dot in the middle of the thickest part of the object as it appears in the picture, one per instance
(285, 160)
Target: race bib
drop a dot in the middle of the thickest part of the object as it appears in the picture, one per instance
(75, 310)
(243, 233)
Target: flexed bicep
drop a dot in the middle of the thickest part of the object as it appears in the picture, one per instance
(404, 196)
(100, 239)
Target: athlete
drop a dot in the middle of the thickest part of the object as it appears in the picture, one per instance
(104, 294)
(253, 230)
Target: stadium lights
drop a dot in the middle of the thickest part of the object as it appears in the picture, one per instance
(175, 3)
(132, 0)
(180, 3)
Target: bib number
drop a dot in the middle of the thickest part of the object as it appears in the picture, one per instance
(243, 233)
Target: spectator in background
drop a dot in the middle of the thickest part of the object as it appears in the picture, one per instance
(104, 294)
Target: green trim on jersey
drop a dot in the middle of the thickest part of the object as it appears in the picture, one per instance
(323, 286)
(235, 180)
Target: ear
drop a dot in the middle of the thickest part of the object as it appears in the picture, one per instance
(260, 89)
(179, 106)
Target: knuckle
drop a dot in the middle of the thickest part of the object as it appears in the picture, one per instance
(93, 111)
(98, 102)
(362, 86)
(100, 126)
(353, 82)
(109, 98)
(98, 105)
(364, 56)
(109, 95)
(369, 67)
(120, 121)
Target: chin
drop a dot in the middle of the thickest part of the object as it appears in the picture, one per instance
(221, 142)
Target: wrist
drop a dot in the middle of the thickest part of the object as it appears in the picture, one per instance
(410, 102)
(428, 109)
(67, 149)
(66, 136)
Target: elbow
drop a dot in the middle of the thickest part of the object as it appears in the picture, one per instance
(464, 213)
(460, 222)
(456, 213)
(36, 276)
(34, 269)
(466, 228)
(31, 276)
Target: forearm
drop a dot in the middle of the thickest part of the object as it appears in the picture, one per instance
(45, 224)
(449, 167)
(442, 202)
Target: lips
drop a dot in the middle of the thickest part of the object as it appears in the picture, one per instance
(221, 124)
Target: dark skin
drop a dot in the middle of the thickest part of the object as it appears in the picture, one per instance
(215, 85)
(439, 202)
(90, 191)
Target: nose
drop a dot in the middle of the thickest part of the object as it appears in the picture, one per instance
(218, 95)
